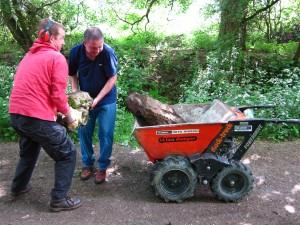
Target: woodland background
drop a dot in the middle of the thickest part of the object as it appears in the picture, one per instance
(244, 53)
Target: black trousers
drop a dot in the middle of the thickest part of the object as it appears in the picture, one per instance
(34, 134)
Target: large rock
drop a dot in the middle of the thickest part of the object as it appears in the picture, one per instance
(80, 101)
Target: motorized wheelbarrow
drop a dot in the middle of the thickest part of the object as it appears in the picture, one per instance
(205, 151)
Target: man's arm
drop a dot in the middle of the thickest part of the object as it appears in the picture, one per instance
(107, 87)
(59, 82)
(74, 83)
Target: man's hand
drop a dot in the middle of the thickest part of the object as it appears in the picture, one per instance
(72, 119)
(69, 118)
(95, 102)
(107, 87)
(73, 126)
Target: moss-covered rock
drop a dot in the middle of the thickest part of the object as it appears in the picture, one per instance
(81, 101)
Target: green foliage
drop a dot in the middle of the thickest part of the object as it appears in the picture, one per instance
(202, 40)
(282, 90)
(140, 40)
(131, 77)
(210, 9)
(167, 68)
(124, 127)
(135, 15)
(135, 47)
(71, 40)
(6, 78)
(183, 4)
(174, 68)
(152, 63)
(266, 66)
(134, 72)
(10, 52)
(65, 12)
(281, 49)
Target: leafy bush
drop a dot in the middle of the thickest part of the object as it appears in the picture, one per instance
(124, 127)
(136, 42)
(273, 47)
(173, 69)
(6, 78)
(131, 77)
(71, 40)
(283, 91)
(203, 40)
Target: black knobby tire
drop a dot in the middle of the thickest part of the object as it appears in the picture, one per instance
(174, 179)
(233, 183)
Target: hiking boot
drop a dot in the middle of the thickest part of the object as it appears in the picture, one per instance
(18, 193)
(100, 176)
(67, 203)
(86, 173)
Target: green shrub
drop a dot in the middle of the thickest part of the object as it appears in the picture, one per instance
(124, 127)
(71, 40)
(283, 91)
(6, 80)
(140, 40)
(273, 47)
(131, 77)
(202, 40)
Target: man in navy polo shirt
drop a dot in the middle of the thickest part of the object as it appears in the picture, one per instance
(93, 68)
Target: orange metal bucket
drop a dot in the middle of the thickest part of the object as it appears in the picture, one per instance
(176, 139)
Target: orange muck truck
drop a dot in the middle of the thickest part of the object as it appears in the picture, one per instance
(207, 151)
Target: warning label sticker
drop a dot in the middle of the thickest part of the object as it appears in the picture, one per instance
(186, 131)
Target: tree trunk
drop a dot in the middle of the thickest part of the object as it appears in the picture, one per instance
(267, 34)
(297, 55)
(19, 32)
(243, 35)
(232, 13)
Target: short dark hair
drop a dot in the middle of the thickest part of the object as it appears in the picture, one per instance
(93, 33)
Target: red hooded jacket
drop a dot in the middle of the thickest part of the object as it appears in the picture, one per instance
(40, 83)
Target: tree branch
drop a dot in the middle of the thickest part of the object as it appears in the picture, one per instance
(172, 5)
(261, 10)
(12, 24)
(47, 4)
(146, 15)
(77, 16)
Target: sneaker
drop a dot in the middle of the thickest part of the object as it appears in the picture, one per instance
(100, 176)
(18, 193)
(86, 173)
(67, 203)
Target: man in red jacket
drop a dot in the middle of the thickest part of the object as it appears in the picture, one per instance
(38, 94)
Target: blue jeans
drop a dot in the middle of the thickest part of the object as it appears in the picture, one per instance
(106, 116)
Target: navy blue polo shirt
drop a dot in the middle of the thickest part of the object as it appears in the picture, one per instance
(93, 75)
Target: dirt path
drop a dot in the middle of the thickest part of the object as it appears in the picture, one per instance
(127, 198)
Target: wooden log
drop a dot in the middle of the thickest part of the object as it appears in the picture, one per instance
(149, 111)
